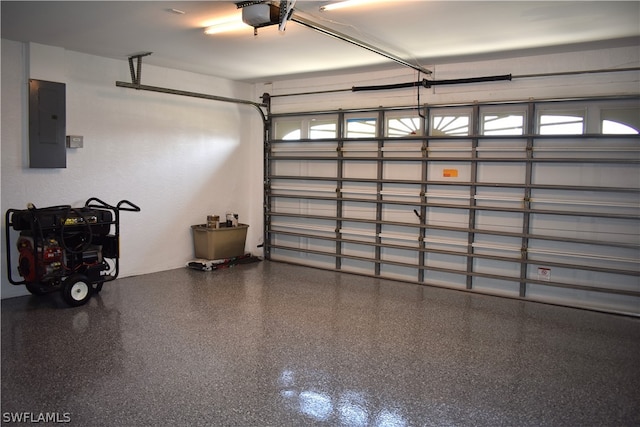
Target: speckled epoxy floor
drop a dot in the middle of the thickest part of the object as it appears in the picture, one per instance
(274, 344)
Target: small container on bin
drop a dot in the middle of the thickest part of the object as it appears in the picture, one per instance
(219, 243)
(213, 221)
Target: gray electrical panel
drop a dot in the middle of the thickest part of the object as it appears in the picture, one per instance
(47, 124)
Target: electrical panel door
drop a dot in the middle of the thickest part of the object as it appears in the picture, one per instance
(47, 124)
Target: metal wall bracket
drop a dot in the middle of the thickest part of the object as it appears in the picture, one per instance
(135, 76)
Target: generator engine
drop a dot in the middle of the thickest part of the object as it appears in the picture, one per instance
(70, 249)
(40, 266)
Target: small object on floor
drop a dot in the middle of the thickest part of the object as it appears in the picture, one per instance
(215, 264)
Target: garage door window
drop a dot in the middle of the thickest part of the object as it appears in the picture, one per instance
(561, 122)
(503, 124)
(450, 125)
(621, 121)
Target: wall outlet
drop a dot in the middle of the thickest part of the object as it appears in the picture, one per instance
(75, 141)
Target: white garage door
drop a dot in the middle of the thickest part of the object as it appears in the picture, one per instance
(534, 200)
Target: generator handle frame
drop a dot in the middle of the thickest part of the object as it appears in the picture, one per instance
(132, 207)
(94, 202)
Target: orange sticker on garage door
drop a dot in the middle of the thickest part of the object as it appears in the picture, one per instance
(450, 173)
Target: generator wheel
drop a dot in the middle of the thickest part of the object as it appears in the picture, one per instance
(98, 287)
(76, 290)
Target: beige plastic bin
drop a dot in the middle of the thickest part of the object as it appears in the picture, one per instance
(219, 243)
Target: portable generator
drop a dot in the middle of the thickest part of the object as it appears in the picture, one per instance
(72, 250)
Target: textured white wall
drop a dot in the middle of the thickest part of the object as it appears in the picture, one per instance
(178, 158)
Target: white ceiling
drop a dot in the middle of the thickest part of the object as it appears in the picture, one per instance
(424, 32)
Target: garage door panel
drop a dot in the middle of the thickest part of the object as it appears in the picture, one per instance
(584, 278)
(399, 272)
(610, 302)
(496, 286)
(613, 230)
(587, 174)
(510, 222)
(502, 172)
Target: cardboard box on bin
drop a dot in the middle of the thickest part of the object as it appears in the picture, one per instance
(219, 243)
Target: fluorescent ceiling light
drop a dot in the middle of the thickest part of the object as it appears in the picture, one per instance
(223, 25)
(346, 3)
